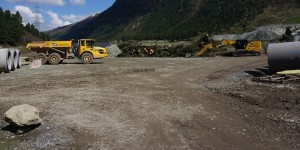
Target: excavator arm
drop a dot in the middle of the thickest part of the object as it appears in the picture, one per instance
(204, 49)
(212, 45)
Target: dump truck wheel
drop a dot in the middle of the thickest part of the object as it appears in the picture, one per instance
(43, 57)
(86, 58)
(54, 58)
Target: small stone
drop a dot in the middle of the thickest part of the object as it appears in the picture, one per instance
(48, 128)
(214, 128)
(292, 121)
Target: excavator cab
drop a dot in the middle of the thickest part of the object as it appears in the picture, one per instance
(241, 44)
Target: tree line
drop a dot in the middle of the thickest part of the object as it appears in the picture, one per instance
(12, 29)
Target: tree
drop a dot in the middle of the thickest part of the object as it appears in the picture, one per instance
(12, 28)
(3, 27)
(16, 29)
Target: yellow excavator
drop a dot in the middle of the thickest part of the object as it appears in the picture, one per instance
(241, 47)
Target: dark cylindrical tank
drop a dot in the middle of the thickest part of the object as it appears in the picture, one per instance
(284, 56)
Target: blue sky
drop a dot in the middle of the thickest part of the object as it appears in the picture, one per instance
(56, 13)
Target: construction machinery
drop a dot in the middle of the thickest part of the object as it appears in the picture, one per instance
(54, 52)
(241, 47)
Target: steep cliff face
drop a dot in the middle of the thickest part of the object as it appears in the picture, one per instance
(178, 19)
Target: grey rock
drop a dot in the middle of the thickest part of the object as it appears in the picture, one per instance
(23, 115)
(113, 50)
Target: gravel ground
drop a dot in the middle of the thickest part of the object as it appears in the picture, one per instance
(152, 103)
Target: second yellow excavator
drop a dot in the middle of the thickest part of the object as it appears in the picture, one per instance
(241, 47)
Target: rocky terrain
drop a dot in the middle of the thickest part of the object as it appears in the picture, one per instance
(152, 103)
(264, 33)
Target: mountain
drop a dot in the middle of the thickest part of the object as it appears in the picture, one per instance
(178, 19)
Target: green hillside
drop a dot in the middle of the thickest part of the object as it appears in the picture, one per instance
(178, 19)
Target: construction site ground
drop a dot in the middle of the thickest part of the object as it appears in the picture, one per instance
(153, 103)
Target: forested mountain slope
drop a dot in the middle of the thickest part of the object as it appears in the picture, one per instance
(177, 19)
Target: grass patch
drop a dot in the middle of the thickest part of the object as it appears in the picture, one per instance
(292, 20)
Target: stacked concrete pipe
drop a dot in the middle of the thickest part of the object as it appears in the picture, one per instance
(15, 59)
(19, 59)
(6, 60)
(284, 56)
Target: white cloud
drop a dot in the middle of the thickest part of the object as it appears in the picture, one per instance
(51, 2)
(73, 18)
(78, 2)
(56, 21)
(27, 15)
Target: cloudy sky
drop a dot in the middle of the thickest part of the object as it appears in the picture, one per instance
(55, 13)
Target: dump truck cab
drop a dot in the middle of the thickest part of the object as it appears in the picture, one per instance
(87, 51)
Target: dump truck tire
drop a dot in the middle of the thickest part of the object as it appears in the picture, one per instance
(87, 58)
(43, 57)
(54, 59)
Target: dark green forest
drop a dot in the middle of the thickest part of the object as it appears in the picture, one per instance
(176, 19)
(12, 29)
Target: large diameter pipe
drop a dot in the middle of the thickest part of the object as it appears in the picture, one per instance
(3, 60)
(19, 59)
(284, 56)
(6, 60)
(15, 59)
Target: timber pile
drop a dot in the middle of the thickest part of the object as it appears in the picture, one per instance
(281, 79)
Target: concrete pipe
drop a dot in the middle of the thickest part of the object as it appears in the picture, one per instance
(19, 59)
(284, 56)
(15, 59)
(6, 60)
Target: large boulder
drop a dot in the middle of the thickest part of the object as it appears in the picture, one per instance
(23, 115)
(113, 50)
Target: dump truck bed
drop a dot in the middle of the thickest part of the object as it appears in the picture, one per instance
(50, 44)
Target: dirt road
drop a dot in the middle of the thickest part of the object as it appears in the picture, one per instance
(149, 103)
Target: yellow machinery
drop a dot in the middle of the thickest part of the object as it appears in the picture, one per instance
(55, 52)
(241, 46)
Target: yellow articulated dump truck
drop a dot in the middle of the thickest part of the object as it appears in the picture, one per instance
(54, 52)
